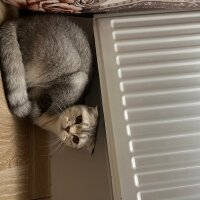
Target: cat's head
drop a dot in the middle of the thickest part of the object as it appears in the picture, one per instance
(77, 127)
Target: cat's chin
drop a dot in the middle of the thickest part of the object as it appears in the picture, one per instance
(87, 146)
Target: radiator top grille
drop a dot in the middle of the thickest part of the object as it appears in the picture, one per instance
(152, 77)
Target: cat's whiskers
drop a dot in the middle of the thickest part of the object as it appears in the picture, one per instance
(57, 148)
(64, 141)
(54, 143)
(54, 140)
(59, 106)
(51, 120)
(57, 103)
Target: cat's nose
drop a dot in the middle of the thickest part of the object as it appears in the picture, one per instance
(68, 129)
(73, 130)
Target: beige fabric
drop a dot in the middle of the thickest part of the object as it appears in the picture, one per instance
(2, 12)
(14, 154)
(24, 161)
(7, 12)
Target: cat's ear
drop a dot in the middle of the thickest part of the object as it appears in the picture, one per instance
(94, 110)
(90, 148)
(91, 145)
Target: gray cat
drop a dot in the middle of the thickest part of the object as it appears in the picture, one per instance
(46, 62)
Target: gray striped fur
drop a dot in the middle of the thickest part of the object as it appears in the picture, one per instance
(46, 63)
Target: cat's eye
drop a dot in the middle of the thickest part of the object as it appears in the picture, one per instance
(79, 119)
(75, 139)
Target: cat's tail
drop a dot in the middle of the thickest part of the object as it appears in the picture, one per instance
(13, 71)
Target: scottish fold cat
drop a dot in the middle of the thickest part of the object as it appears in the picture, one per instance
(47, 63)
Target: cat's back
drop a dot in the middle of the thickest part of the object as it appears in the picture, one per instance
(50, 30)
(51, 37)
(44, 25)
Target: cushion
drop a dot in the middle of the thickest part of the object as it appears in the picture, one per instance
(98, 6)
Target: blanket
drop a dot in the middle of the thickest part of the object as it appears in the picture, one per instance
(99, 6)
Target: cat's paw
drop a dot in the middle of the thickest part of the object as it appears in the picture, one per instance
(22, 110)
(19, 103)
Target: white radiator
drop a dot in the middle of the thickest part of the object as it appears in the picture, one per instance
(149, 68)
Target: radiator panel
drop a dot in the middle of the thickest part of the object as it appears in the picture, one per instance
(150, 77)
